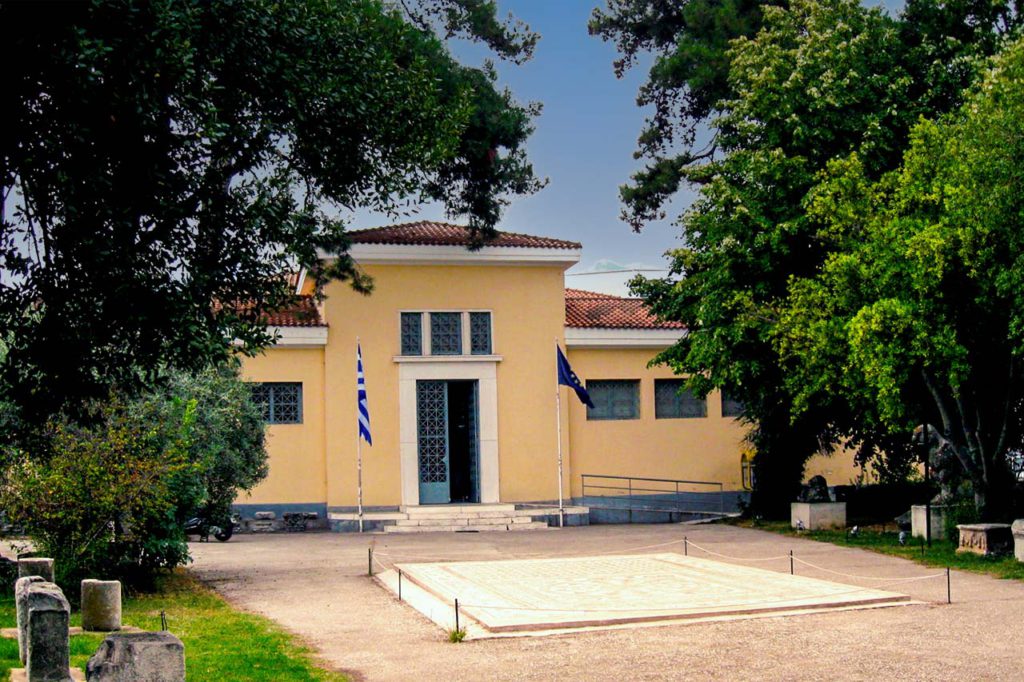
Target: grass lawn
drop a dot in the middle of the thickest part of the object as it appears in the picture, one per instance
(886, 541)
(221, 643)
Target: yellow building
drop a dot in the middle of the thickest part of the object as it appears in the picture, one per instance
(459, 355)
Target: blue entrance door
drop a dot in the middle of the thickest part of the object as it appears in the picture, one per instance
(432, 426)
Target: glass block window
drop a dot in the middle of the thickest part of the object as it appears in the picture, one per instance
(480, 333)
(412, 333)
(614, 399)
(281, 402)
(673, 401)
(446, 333)
(731, 407)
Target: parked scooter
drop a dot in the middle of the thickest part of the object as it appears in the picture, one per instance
(204, 527)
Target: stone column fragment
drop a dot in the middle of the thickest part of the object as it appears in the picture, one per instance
(135, 656)
(101, 605)
(21, 607)
(40, 566)
(48, 654)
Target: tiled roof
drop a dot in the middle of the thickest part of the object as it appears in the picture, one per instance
(302, 314)
(589, 309)
(429, 233)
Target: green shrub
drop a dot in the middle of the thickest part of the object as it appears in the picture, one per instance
(109, 499)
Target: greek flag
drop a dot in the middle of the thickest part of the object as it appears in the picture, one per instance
(364, 408)
(567, 377)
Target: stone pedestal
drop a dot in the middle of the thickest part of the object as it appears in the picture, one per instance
(131, 657)
(101, 605)
(818, 515)
(48, 654)
(918, 524)
(21, 610)
(986, 539)
(36, 566)
(1018, 539)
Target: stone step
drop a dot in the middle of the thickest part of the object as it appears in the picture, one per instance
(533, 525)
(455, 521)
(458, 508)
(437, 514)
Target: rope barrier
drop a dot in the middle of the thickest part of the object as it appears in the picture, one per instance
(434, 559)
(691, 543)
(867, 577)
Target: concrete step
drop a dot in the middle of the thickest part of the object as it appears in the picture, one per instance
(438, 514)
(493, 521)
(533, 525)
(429, 509)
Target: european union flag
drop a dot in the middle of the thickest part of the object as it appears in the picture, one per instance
(567, 377)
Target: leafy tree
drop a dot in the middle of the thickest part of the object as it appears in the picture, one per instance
(921, 311)
(227, 440)
(111, 499)
(159, 157)
(816, 81)
(103, 504)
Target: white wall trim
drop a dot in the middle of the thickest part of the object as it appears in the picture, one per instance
(299, 337)
(576, 337)
(486, 375)
(391, 254)
(447, 359)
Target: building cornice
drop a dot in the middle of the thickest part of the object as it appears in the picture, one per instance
(408, 254)
(299, 337)
(578, 337)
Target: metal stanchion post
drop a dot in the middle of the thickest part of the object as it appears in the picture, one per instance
(791, 572)
(399, 586)
(457, 628)
(949, 594)
(369, 561)
(686, 547)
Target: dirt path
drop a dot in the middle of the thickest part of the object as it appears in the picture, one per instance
(316, 585)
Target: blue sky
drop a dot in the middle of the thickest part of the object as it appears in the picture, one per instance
(583, 144)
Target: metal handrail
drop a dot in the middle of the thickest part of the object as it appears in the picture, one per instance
(646, 505)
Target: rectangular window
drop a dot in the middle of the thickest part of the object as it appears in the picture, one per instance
(731, 407)
(280, 401)
(480, 333)
(673, 401)
(412, 333)
(446, 333)
(614, 399)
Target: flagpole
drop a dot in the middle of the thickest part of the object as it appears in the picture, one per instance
(558, 419)
(359, 457)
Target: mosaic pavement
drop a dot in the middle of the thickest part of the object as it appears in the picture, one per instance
(544, 594)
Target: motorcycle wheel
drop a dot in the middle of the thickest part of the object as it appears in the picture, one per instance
(224, 534)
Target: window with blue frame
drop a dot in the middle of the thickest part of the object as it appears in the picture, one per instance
(673, 401)
(446, 333)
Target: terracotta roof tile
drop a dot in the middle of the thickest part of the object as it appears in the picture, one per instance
(589, 309)
(302, 314)
(429, 233)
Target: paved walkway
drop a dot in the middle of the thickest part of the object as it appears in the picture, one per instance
(316, 585)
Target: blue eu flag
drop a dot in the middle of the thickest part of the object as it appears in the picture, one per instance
(567, 377)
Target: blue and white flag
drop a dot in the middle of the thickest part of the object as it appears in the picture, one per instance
(567, 377)
(364, 407)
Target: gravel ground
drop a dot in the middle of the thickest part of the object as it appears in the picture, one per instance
(316, 585)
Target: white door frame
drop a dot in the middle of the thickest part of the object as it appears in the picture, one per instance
(484, 371)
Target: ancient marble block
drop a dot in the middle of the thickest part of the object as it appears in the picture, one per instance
(818, 515)
(47, 655)
(40, 566)
(918, 522)
(1017, 528)
(264, 516)
(101, 605)
(137, 656)
(987, 539)
(21, 610)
